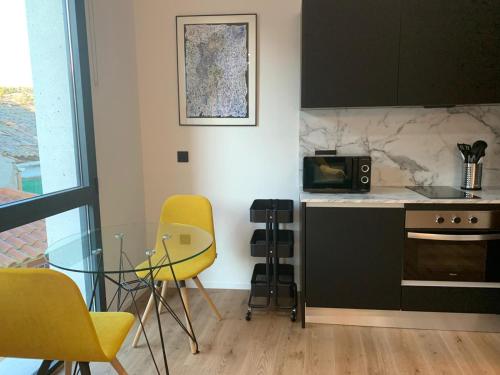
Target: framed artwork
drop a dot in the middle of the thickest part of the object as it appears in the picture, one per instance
(217, 69)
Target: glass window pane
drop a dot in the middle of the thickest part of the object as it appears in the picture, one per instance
(25, 246)
(38, 143)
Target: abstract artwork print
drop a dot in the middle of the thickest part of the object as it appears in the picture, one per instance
(216, 63)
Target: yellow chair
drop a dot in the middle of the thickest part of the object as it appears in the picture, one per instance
(192, 210)
(44, 316)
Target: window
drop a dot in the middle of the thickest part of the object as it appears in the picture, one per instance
(47, 153)
(37, 118)
(25, 246)
(48, 179)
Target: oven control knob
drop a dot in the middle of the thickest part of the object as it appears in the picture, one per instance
(473, 220)
(365, 168)
(364, 180)
(456, 220)
(439, 219)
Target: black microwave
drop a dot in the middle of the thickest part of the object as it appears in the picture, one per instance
(336, 174)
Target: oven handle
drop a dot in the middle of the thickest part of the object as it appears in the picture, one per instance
(453, 237)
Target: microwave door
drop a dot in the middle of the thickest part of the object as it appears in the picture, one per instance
(328, 173)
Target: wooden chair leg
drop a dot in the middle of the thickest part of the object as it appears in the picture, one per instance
(207, 298)
(163, 295)
(144, 317)
(67, 367)
(118, 367)
(185, 298)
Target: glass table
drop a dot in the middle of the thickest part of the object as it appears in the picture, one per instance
(130, 256)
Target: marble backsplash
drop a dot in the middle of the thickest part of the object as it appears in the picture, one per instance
(408, 146)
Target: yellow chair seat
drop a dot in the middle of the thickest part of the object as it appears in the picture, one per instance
(112, 329)
(184, 270)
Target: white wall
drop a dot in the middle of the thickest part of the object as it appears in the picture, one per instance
(116, 121)
(116, 110)
(231, 166)
(408, 146)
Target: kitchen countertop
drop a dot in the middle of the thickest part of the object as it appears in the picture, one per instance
(396, 196)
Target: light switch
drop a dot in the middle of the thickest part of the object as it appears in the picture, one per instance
(182, 157)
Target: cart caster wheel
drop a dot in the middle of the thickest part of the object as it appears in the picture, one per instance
(293, 316)
(248, 316)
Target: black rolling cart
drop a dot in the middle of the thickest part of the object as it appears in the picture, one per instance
(272, 281)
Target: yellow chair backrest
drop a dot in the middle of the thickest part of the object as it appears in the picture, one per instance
(193, 210)
(43, 315)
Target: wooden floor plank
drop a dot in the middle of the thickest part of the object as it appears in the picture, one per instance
(271, 344)
(435, 353)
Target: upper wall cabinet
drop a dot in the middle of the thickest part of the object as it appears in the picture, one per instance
(400, 52)
(450, 52)
(349, 53)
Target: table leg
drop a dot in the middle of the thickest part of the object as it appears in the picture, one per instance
(145, 334)
(190, 330)
(44, 367)
(150, 283)
(84, 368)
(157, 313)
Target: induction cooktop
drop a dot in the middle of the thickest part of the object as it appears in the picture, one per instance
(442, 192)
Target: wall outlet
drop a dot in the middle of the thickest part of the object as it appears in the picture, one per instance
(182, 157)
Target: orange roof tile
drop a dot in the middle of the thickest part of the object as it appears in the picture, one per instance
(24, 245)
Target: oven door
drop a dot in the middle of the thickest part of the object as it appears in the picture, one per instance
(452, 256)
(328, 174)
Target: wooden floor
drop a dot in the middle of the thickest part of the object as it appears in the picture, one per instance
(271, 344)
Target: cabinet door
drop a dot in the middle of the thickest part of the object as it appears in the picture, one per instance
(349, 53)
(450, 52)
(353, 257)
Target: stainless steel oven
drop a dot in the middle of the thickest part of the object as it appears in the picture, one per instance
(452, 246)
(452, 260)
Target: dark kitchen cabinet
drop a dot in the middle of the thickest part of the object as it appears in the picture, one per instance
(349, 53)
(449, 52)
(353, 257)
(359, 53)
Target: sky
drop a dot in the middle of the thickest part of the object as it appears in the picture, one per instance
(15, 64)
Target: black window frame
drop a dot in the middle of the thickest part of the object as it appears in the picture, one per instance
(86, 195)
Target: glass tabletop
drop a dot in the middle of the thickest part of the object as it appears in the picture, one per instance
(136, 247)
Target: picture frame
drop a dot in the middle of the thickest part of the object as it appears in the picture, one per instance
(217, 70)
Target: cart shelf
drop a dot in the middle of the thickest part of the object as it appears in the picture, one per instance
(285, 280)
(262, 208)
(259, 247)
